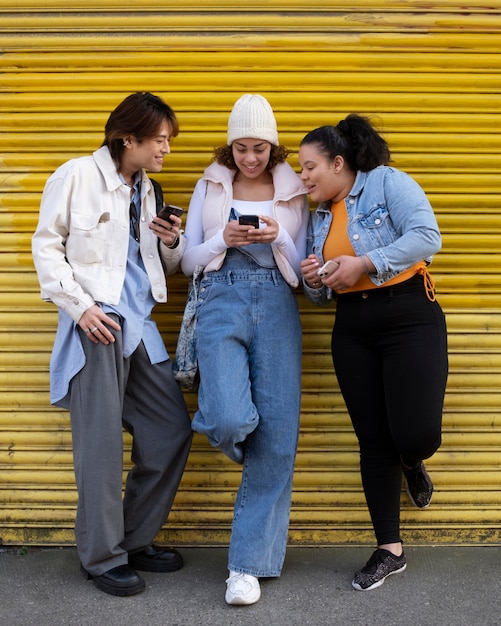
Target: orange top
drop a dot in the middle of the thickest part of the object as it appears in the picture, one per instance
(338, 243)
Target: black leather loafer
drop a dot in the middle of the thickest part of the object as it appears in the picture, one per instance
(153, 559)
(119, 581)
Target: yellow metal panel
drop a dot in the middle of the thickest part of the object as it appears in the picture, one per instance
(261, 6)
(428, 72)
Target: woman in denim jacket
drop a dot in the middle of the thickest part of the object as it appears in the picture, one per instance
(376, 229)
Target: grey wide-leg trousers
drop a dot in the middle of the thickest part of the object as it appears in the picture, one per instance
(109, 394)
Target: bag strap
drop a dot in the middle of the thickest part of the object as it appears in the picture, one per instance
(159, 194)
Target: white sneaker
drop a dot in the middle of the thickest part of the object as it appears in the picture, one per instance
(242, 589)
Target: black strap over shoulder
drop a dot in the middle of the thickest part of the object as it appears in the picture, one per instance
(159, 194)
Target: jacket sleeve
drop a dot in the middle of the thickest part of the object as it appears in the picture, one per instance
(171, 257)
(199, 251)
(323, 295)
(417, 232)
(55, 274)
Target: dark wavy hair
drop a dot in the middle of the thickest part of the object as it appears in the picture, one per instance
(355, 139)
(224, 156)
(141, 114)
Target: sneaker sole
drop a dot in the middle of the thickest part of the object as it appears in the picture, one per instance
(379, 582)
(251, 597)
(240, 601)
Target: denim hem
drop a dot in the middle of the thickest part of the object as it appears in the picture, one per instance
(257, 574)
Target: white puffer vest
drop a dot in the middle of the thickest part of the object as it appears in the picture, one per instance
(288, 206)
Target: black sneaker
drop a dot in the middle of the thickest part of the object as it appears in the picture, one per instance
(418, 485)
(381, 565)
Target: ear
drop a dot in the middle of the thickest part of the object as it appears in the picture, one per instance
(337, 163)
(127, 141)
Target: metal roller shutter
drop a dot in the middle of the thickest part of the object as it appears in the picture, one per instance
(430, 71)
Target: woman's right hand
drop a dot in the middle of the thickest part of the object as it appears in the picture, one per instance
(309, 269)
(235, 234)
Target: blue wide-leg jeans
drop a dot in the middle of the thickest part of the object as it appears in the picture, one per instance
(249, 344)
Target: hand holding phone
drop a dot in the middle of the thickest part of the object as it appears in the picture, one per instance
(249, 220)
(168, 210)
(327, 269)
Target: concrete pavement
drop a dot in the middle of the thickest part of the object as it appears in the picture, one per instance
(442, 586)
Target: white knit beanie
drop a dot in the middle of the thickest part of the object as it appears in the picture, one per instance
(252, 117)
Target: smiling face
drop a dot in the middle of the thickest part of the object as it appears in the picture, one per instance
(317, 173)
(148, 154)
(324, 179)
(251, 156)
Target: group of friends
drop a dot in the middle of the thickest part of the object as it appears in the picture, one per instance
(102, 252)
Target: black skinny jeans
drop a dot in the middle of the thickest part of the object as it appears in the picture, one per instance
(389, 348)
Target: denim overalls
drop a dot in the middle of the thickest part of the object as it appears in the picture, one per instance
(249, 338)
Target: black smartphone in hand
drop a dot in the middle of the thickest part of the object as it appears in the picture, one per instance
(249, 220)
(168, 210)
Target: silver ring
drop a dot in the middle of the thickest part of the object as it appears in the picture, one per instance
(93, 330)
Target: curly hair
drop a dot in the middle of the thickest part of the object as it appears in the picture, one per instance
(224, 156)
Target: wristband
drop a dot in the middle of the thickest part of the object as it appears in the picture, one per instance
(174, 244)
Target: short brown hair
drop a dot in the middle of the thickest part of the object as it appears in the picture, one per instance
(141, 114)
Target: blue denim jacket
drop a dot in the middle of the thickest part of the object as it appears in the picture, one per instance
(389, 219)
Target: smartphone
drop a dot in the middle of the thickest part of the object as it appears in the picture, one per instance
(249, 220)
(168, 210)
(327, 269)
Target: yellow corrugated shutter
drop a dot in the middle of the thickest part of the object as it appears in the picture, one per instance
(429, 70)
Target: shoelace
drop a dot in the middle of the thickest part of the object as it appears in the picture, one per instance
(377, 558)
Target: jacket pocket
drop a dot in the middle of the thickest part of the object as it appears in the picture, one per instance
(86, 243)
(377, 224)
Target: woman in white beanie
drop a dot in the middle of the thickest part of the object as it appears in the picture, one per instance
(249, 331)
